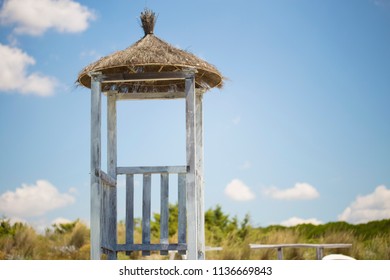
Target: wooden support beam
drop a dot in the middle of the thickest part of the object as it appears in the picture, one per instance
(192, 228)
(96, 195)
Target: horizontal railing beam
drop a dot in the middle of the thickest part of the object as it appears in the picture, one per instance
(208, 248)
(151, 169)
(151, 247)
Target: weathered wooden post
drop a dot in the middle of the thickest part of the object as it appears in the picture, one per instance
(192, 199)
(199, 176)
(109, 192)
(149, 69)
(96, 191)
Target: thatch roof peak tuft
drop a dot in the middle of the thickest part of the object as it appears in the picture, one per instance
(148, 20)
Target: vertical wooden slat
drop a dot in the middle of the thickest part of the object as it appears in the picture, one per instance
(199, 176)
(95, 165)
(146, 209)
(129, 209)
(111, 168)
(182, 219)
(164, 211)
(192, 232)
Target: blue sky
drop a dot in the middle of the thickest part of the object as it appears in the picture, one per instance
(300, 132)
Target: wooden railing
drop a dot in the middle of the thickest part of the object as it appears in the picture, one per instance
(164, 247)
(319, 247)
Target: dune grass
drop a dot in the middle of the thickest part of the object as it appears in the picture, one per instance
(370, 241)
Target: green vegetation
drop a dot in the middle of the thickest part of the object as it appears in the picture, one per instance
(66, 241)
(71, 241)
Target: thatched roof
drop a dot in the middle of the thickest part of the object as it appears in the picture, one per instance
(151, 54)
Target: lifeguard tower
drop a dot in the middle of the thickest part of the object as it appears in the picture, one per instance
(148, 69)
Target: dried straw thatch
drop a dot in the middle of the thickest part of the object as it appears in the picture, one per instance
(151, 54)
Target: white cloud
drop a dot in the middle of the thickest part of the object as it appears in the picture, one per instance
(237, 190)
(300, 191)
(33, 200)
(14, 76)
(34, 17)
(374, 206)
(293, 221)
(14, 220)
(42, 224)
(60, 221)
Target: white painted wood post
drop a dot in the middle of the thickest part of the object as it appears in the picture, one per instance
(96, 192)
(111, 195)
(192, 232)
(199, 176)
